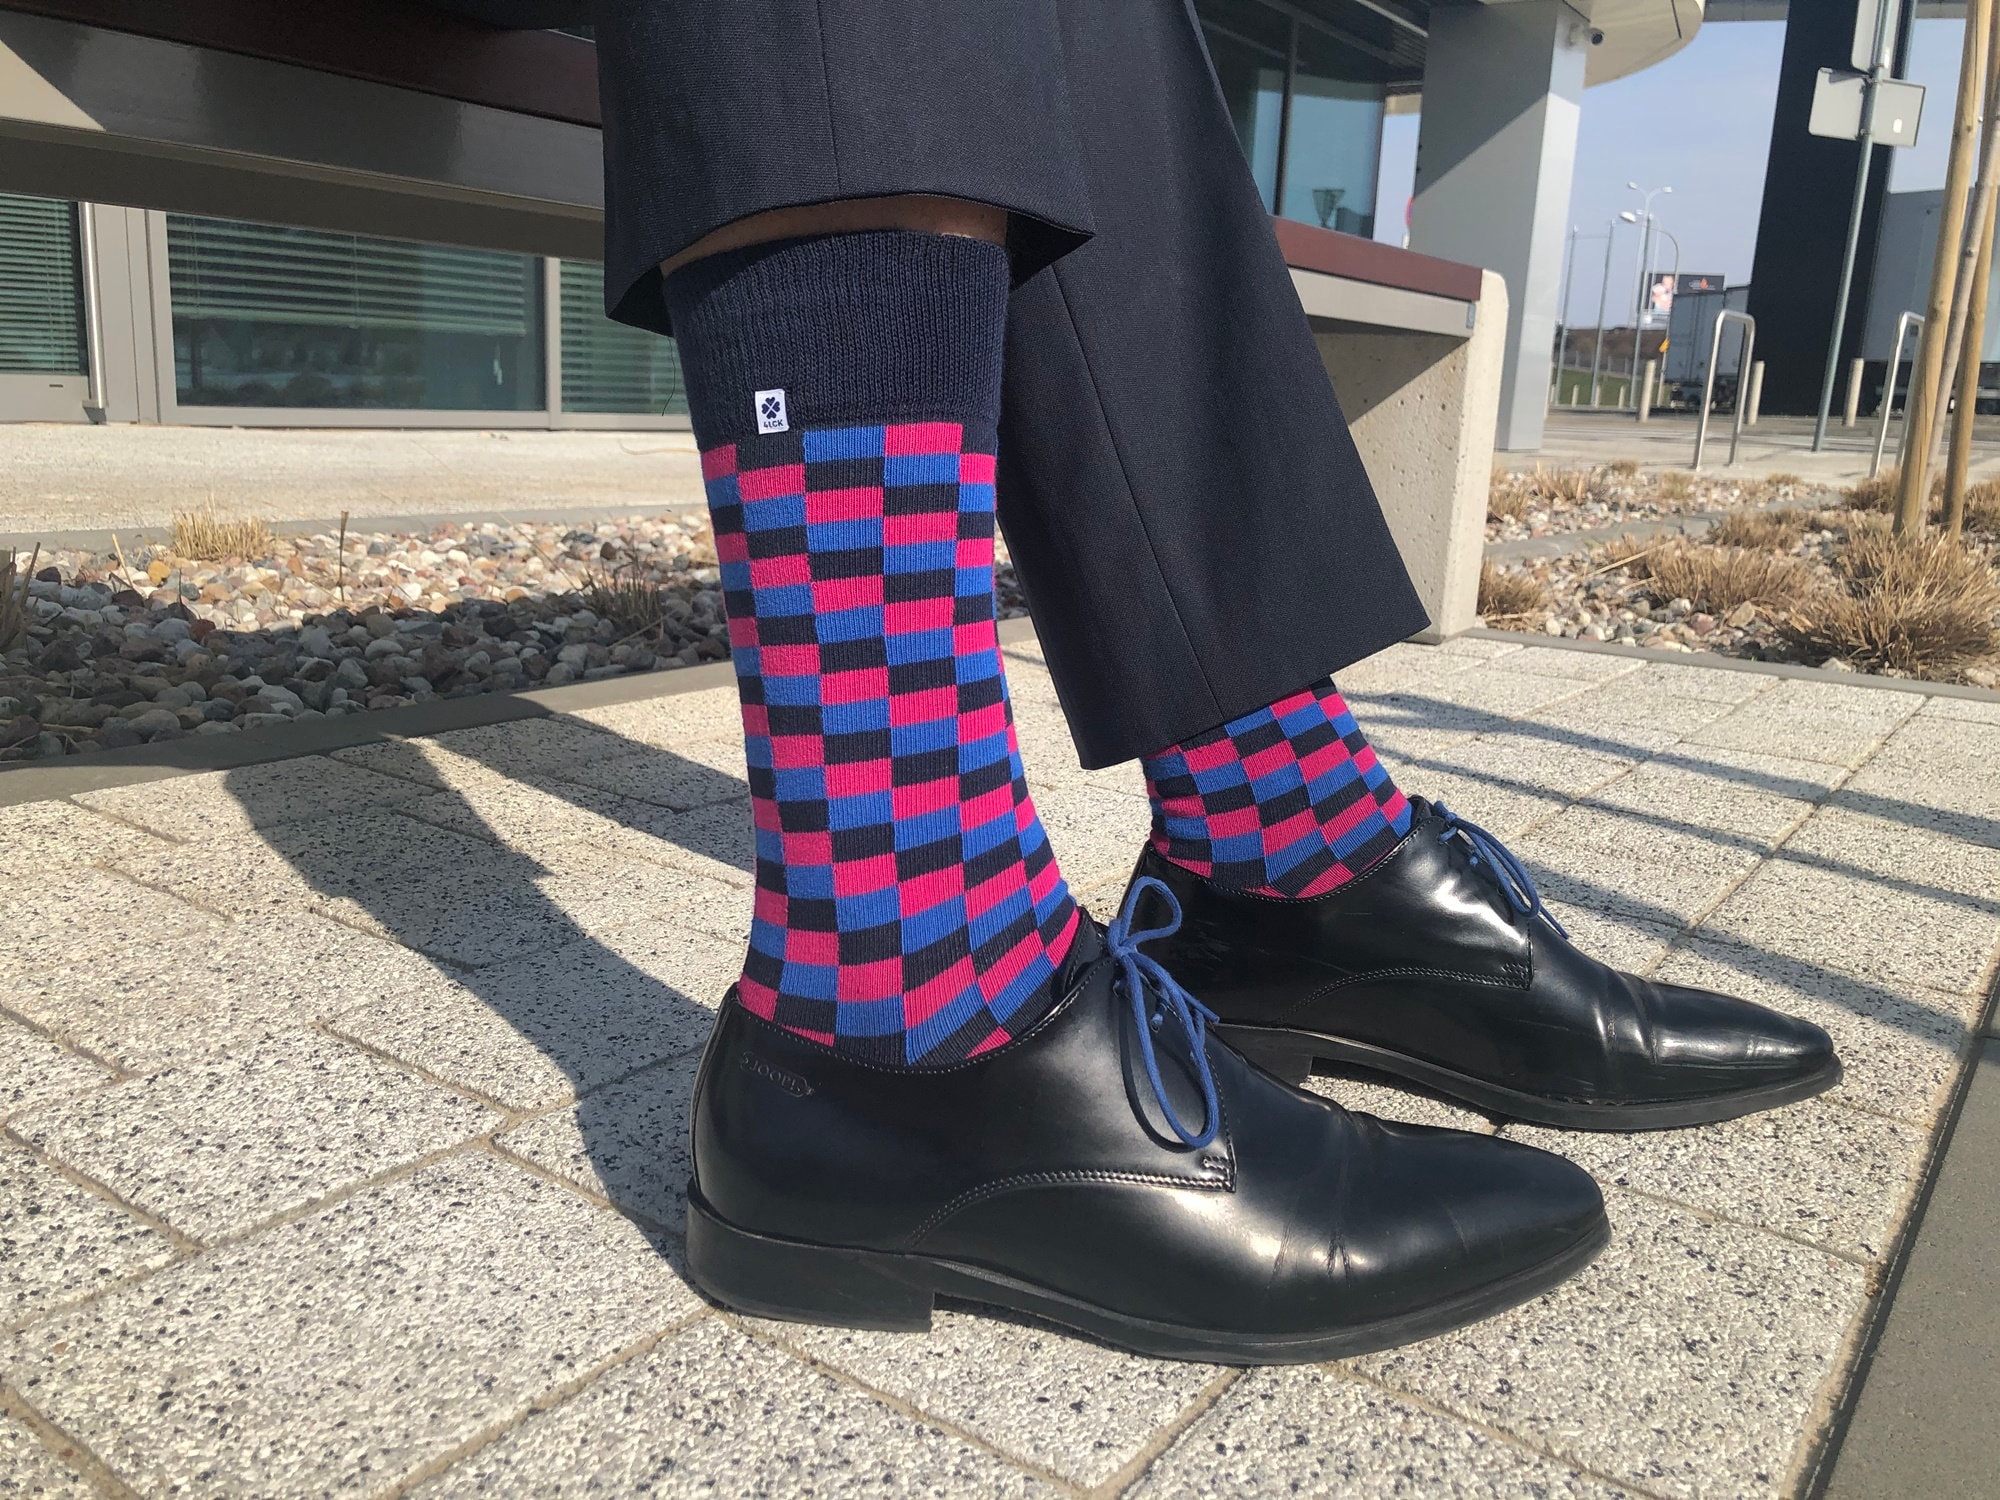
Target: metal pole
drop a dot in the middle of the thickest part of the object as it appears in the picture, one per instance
(1562, 322)
(1755, 400)
(1603, 287)
(93, 312)
(1853, 410)
(1639, 300)
(1903, 325)
(1647, 374)
(1727, 315)
(1875, 74)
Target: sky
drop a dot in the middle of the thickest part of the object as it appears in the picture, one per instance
(1643, 129)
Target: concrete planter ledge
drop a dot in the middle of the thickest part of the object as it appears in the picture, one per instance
(346, 1088)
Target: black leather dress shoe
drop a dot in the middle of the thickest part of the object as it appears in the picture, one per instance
(1114, 1170)
(1440, 965)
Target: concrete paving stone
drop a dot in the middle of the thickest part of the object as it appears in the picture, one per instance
(674, 719)
(34, 1070)
(712, 1411)
(1071, 1406)
(601, 888)
(1817, 1171)
(1686, 1360)
(1399, 667)
(537, 1032)
(1096, 835)
(471, 916)
(1610, 861)
(341, 1351)
(1689, 680)
(1583, 666)
(1724, 800)
(1477, 647)
(152, 1001)
(1973, 710)
(1753, 770)
(1901, 939)
(512, 748)
(215, 1146)
(1899, 1052)
(1311, 1430)
(64, 921)
(627, 1142)
(1507, 783)
(298, 866)
(30, 1470)
(1376, 1094)
(1941, 772)
(59, 1242)
(716, 842)
(1404, 730)
(1634, 944)
(1811, 721)
(528, 814)
(44, 836)
(692, 776)
(1901, 856)
(213, 805)
(1496, 690)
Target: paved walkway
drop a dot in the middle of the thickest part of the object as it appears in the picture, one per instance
(58, 478)
(1776, 445)
(344, 1102)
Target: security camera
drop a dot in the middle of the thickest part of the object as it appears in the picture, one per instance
(1596, 37)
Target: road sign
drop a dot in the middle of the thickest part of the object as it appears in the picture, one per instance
(1866, 18)
(1840, 101)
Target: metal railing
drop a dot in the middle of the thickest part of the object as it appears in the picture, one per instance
(1903, 326)
(1742, 382)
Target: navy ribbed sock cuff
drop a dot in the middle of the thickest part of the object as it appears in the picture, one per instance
(880, 326)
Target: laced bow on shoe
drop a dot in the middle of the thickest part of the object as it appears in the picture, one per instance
(1499, 863)
(1140, 975)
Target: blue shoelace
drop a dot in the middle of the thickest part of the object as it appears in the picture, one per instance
(1142, 975)
(1487, 853)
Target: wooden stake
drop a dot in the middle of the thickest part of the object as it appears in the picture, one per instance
(1970, 287)
(1913, 491)
(1986, 205)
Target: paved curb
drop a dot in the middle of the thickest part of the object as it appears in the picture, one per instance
(1717, 662)
(38, 781)
(136, 537)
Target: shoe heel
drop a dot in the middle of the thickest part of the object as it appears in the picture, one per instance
(1283, 1054)
(773, 1278)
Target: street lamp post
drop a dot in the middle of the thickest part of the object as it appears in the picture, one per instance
(1603, 289)
(1643, 218)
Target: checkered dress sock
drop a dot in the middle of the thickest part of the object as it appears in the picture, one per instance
(908, 906)
(1288, 801)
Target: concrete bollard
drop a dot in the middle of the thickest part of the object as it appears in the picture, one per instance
(1851, 413)
(1648, 372)
(1755, 395)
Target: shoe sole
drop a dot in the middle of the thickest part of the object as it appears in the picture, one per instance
(768, 1277)
(1289, 1055)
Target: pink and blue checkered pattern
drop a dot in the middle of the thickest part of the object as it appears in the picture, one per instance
(1288, 801)
(909, 910)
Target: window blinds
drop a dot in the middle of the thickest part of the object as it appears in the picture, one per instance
(41, 289)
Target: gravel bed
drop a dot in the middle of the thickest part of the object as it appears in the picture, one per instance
(1590, 598)
(1541, 502)
(152, 646)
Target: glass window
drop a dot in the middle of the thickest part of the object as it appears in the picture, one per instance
(1334, 140)
(266, 315)
(41, 288)
(606, 366)
(1249, 44)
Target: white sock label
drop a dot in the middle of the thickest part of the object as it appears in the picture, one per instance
(771, 412)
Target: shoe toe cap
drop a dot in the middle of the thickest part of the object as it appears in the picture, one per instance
(1435, 1214)
(1700, 1032)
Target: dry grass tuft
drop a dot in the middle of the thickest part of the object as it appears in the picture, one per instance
(1921, 605)
(1879, 493)
(1624, 468)
(1769, 530)
(1783, 481)
(1512, 496)
(1676, 484)
(207, 536)
(1509, 595)
(1982, 505)
(1504, 503)
(634, 606)
(1717, 579)
(14, 613)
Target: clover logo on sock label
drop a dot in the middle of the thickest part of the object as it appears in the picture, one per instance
(771, 412)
